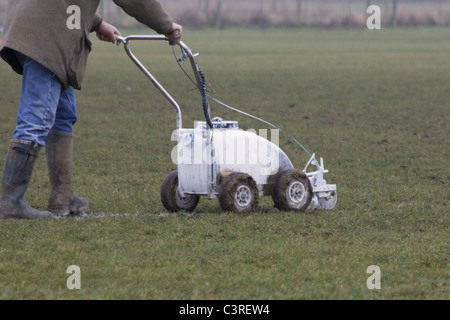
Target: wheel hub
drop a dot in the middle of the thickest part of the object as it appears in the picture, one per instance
(296, 192)
(243, 196)
(181, 199)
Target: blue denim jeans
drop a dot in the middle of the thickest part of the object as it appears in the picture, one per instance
(44, 105)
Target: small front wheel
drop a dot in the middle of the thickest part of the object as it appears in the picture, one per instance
(171, 198)
(239, 193)
(292, 191)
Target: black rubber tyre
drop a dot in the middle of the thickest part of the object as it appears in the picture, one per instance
(239, 193)
(171, 199)
(292, 191)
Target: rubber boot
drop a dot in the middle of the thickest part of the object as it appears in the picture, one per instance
(59, 151)
(16, 178)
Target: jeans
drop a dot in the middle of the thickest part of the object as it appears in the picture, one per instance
(44, 106)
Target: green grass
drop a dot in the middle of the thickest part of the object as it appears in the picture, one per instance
(374, 104)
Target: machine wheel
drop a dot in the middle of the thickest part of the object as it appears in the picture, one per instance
(292, 191)
(171, 199)
(239, 193)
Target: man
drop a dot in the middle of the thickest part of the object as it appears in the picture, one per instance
(47, 41)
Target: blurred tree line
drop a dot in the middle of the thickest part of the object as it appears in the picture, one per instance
(295, 13)
(286, 13)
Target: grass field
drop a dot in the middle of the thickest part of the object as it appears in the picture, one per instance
(374, 104)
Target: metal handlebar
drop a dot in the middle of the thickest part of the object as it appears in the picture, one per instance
(126, 41)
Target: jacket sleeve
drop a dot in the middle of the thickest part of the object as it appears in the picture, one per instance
(96, 23)
(149, 12)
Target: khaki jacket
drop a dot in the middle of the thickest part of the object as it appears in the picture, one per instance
(39, 30)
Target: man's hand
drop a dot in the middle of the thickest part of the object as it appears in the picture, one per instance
(107, 32)
(176, 33)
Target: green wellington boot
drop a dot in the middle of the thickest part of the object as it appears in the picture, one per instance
(59, 151)
(16, 177)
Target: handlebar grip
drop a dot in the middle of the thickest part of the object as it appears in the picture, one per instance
(117, 39)
(175, 33)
